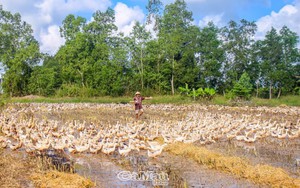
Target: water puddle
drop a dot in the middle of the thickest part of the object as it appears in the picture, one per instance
(278, 153)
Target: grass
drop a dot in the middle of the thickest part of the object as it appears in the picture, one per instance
(39, 99)
(291, 100)
(260, 174)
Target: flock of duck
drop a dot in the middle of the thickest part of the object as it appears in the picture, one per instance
(23, 126)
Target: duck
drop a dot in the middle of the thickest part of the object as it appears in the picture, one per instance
(108, 150)
(298, 162)
(95, 147)
(41, 146)
(240, 137)
(283, 135)
(125, 151)
(3, 142)
(82, 148)
(14, 146)
(58, 144)
(293, 135)
(141, 145)
(154, 145)
(155, 153)
(71, 148)
(250, 140)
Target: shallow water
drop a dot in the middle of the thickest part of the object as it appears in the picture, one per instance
(275, 152)
(180, 172)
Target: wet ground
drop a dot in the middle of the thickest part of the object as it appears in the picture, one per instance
(278, 153)
(137, 170)
(179, 172)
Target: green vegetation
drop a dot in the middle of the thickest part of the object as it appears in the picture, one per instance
(161, 99)
(98, 61)
(242, 89)
(285, 100)
(206, 93)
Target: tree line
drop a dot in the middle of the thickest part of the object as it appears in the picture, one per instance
(97, 60)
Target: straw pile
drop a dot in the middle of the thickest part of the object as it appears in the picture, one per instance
(260, 174)
(60, 179)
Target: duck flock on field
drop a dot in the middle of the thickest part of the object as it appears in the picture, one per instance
(33, 133)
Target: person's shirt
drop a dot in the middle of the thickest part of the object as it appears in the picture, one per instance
(138, 102)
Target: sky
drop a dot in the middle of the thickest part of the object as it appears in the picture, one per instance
(46, 16)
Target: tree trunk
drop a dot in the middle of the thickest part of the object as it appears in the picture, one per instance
(270, 91)
(81, 75)
(172, 79)
(279, 93)
(257, 87)
(142, 69)
(172, 84)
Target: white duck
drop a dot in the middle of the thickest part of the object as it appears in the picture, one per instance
(155, 153)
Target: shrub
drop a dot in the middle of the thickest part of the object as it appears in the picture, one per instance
(206, 93)
(297, 91)
(243, 88)
(68, 90)
(184, 90)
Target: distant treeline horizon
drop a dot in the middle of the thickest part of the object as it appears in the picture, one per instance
(96, 60)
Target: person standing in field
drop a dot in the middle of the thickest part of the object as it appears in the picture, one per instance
(138, 104)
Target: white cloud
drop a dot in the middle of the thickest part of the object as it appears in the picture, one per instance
(126, 17)
(42, 15)
(216, 19)
(46, 15)
(51, 40)
(288, 16)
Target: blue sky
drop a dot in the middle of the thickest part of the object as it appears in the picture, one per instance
(45, 16)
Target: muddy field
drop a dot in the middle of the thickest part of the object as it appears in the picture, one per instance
(105, 143)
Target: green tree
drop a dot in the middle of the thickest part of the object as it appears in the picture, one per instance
(72, 25)
(291, 55)
(210, 56)
(271, 53)
(238, 40)
(19, 52)
(278, 53)
(173, 34)
(138, 40)
(243, 88)
(43, 81)
(155, 71)
(154, 8)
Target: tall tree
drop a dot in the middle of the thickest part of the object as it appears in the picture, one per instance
(238, 41)
(72, 25)
(291, 55)
(271, 53)
(173, 34)
(210, 56)
(154, 8)
(19, 52)
(139, 38)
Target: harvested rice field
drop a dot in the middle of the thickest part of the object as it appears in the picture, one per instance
(102, 145)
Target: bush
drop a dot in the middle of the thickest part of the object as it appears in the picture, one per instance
(296, 91)
(184, 90)
(242, 89)
(3, 101)
(68, 90)
(206, 93)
